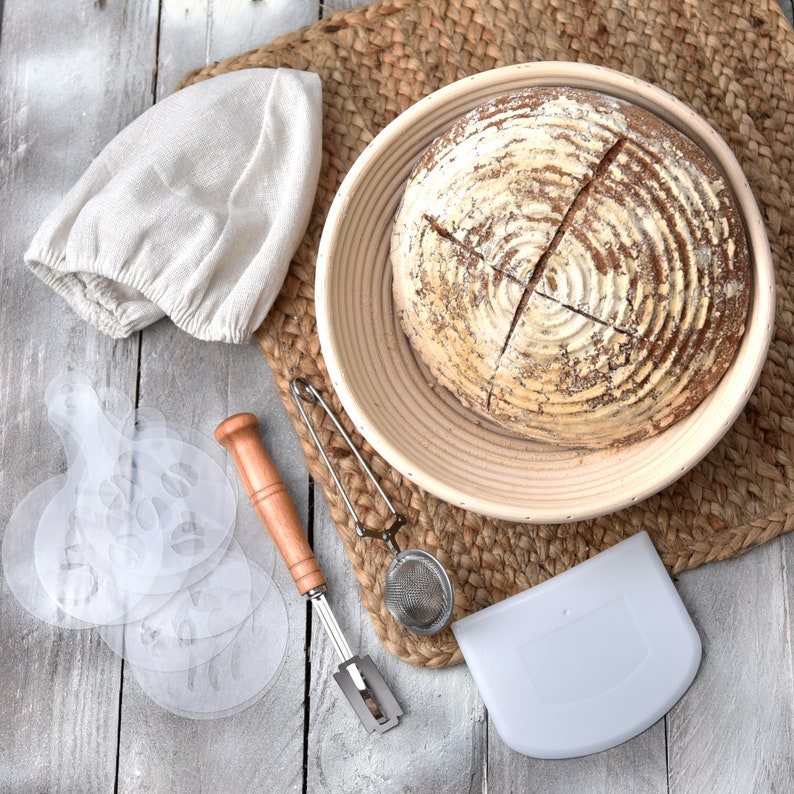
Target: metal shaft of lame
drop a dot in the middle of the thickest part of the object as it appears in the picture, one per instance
(332, 629)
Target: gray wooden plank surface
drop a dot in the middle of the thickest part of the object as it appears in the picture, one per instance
(740, 705)
(59, 709)
(72, 718)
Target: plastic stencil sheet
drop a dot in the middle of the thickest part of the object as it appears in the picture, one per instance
(136, 538)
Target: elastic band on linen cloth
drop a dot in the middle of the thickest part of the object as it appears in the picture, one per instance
(192, 211)
(732, 61)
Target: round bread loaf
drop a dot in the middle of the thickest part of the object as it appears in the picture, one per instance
(571, 267)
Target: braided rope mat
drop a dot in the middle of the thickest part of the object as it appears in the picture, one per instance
(733, 62)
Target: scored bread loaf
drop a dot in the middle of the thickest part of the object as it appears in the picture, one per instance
(571, 267)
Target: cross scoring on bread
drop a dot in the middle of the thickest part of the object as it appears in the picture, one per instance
(576, 205)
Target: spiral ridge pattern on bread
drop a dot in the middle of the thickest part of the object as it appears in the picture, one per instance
(571, 267)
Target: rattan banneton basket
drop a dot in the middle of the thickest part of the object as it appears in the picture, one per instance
(733, 63)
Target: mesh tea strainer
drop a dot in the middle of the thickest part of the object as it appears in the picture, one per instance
(418, 591)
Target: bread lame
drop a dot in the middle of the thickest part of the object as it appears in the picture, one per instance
(358, 677)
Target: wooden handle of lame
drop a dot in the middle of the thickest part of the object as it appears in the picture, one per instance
(239, 434)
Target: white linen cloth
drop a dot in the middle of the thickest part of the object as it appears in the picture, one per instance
(193, 211)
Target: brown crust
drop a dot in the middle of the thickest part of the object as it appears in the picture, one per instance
(571, 267)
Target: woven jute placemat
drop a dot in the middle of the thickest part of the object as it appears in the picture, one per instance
(733, 62)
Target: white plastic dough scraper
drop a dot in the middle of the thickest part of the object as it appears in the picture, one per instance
(587, 659)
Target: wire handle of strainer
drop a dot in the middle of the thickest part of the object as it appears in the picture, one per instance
(303, 392)
(418, 591)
